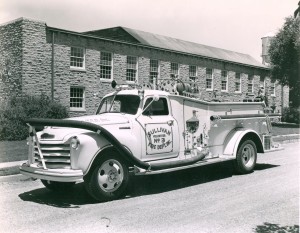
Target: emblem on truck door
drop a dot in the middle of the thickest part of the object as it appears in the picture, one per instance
(159, 138)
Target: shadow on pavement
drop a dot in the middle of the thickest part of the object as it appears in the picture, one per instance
(275, 228)
(139, 185)
(264, 166)
(67, 199)
(153, 184)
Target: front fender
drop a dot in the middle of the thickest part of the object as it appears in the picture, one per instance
(234, 138)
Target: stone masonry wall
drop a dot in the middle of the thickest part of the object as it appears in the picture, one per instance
(36, 65)
(10, 60)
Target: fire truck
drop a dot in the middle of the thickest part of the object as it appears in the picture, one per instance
(143, 131)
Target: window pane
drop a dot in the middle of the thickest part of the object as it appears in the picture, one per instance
(76, 97)
(131, 68)
(174, 69)
(77, 57)
(105, 65)
(209, 80)
(153, 70)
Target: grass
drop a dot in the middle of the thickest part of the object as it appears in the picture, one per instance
(17, 150)
(285, 128)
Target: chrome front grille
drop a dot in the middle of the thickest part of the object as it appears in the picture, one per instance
(55, 155)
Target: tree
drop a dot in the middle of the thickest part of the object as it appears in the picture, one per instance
(284, 54)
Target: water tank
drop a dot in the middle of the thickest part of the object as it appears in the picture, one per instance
(266, 41)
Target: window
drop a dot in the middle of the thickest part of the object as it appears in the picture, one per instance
(127, 104)
(131, 68)
(77, 58)
(224, 80)
(156, 108)
(237, 82)
(174, 70)
(272, 88)
(106, 66)
(209, 79)
(193, 73)
(76, 98)
(154, 68)
(262, 85)
(250, 84)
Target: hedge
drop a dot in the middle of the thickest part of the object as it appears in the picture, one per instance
(13, 113)
(291, 115)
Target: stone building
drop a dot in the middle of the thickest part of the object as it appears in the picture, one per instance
(77, 68)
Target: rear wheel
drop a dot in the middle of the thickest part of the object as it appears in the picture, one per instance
(58, 186)
(246, 157)
(108, 179)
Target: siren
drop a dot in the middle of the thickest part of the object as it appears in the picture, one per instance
(119, 86)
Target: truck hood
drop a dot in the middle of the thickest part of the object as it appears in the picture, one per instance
(103, 119)
(63, 133)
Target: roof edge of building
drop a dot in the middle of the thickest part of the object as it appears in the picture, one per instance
(157, 48)
(22, 19)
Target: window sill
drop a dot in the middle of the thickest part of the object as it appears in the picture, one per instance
(77, 109)
(106, 80)
(130, 82)
(209, 89)
(224, 90)
(77, 69)
(238, 92)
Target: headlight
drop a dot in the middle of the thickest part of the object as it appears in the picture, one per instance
(75, 142)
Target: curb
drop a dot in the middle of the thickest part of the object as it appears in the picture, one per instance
(12, 168)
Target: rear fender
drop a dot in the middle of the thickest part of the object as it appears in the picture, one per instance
(236, 136)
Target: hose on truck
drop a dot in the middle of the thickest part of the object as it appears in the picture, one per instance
(126, 154)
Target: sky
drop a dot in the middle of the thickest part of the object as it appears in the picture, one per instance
(236, 25)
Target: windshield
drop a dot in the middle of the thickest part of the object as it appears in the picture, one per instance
(128, 104)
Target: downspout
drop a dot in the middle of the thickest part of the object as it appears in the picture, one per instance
(52, 68)
(282, 99)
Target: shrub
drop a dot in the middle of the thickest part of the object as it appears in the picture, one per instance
(17, 109)
(291, 115)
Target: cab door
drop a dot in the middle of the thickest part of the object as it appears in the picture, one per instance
(159, 130)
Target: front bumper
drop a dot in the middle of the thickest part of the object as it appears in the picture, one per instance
(60, 175)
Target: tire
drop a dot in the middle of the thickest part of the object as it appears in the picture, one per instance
(58, 186)
(108, 178)
(246, 157)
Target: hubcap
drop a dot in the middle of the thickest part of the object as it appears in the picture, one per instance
(248, 155)
(110, 175)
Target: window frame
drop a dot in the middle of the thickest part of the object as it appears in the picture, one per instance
(226, 80)
(240, 83)
(105, 65)
(151, 80)
(273, 87)
(151, 99)
(72, 67)
(193, 77)
(250, 77)
(82, 108)
(212, 79)
(135, 69)
(174, 74)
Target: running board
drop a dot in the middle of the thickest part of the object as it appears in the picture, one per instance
(139, 171)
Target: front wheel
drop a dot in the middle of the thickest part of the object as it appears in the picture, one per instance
(108, 179)
(246, 157)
